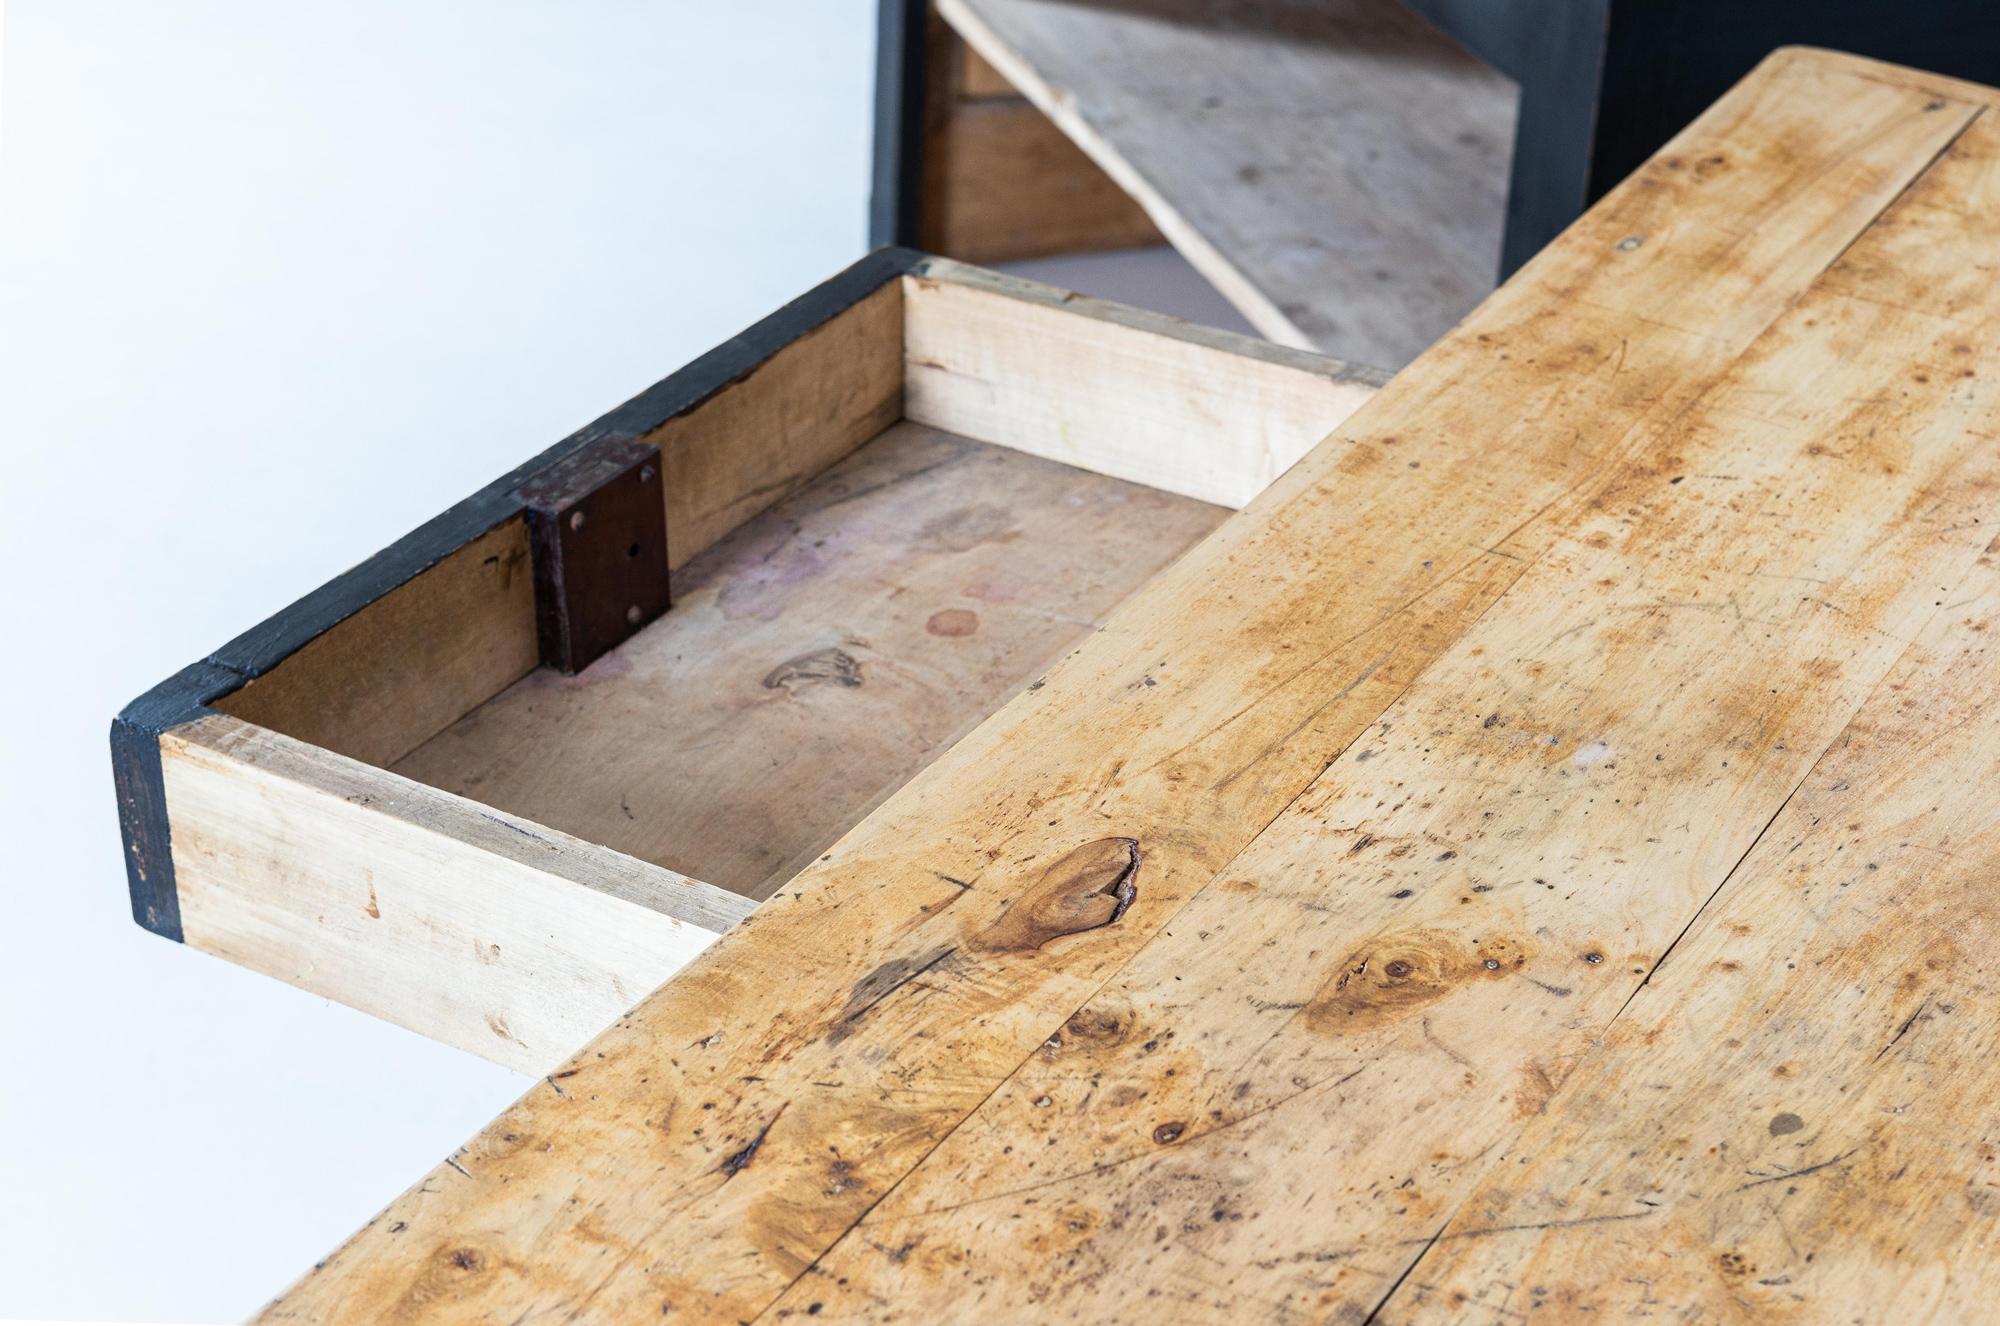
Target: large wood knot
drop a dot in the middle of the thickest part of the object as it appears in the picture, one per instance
(1087, 888)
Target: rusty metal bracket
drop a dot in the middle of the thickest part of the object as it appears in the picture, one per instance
(597, 525)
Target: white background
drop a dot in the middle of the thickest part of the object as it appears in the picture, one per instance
(279, 280)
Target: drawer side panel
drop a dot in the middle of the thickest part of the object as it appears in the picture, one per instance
(477, 929)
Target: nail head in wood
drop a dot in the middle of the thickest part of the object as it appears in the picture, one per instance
(598, 529)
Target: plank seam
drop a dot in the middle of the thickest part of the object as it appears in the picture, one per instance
(1860, 705)
(1943, 150)
(1383, 1302)
(1010, 1074)
(1730, 874)
(1694, 917)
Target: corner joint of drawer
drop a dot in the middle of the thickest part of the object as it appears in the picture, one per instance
(597, 523)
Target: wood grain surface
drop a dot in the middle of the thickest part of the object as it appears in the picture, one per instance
(1203, 413)
(474, 927)
(818, 657)
(1218, 976)
(1451, 914)
(1794, 1117)
(1337, 168)
(1000, 180)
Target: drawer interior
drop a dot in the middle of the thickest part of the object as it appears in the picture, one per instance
(888, 528)
(818, 656)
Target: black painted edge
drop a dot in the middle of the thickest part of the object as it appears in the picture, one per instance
(186, 696)
(895, 198)
(264, 646)
(141, 787)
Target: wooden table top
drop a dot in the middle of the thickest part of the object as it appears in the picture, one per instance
(1530, 863)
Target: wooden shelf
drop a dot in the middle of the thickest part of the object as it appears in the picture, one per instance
(1338, 168)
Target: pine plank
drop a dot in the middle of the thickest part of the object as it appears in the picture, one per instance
(1179, 407)
(756, 440)
(715, 1143)
(1273, 1109)
(479, 929)
(1338, 168)
(379, 684)
(1000, 181)
(1794, 1118)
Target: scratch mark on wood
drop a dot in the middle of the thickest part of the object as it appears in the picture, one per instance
(737, 1161)
(1903, 1030)
(1796, 1173)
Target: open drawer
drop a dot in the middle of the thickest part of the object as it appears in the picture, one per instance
(489, 786)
